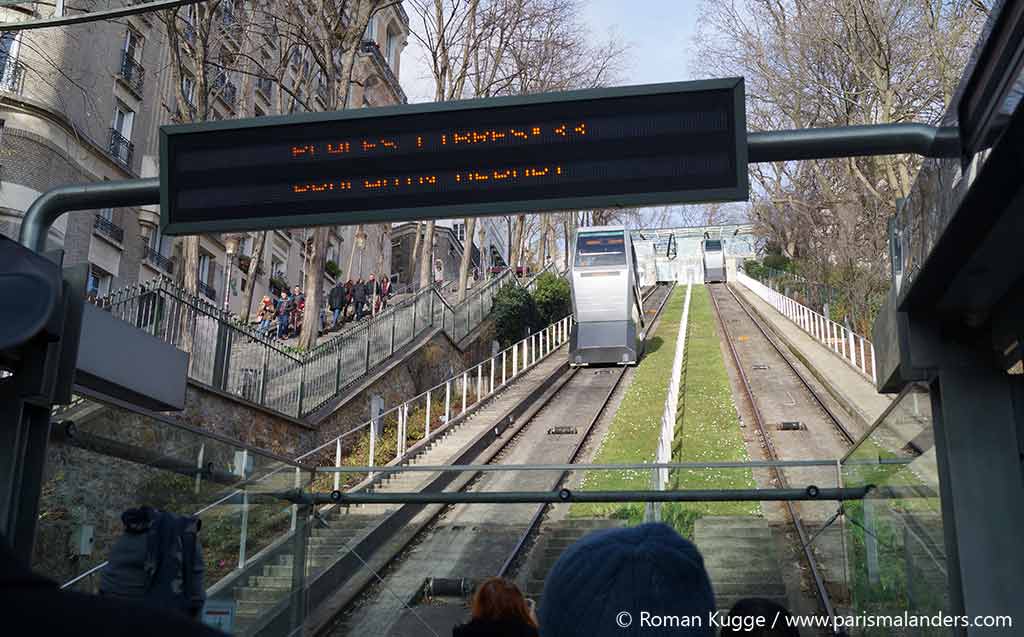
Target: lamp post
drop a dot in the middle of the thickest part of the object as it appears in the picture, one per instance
(361, 245)
(231, 242)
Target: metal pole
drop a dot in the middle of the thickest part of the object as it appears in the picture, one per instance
(853, 141)
(337, 463)
(426, 424)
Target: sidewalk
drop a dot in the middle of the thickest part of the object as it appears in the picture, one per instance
(852, 390)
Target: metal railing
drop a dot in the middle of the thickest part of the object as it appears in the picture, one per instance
(132, 73)
(853, 348)
(384, 68)
(159, 260)
(241, 360)
(671, 410)
(108, 228)
(121, 148)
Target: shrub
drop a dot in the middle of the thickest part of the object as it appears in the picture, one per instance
(514, 312)
(552, 297)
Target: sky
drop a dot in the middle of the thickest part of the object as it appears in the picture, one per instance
(659, 35)
(659, 38)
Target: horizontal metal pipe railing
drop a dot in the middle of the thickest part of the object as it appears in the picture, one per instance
(503, 468)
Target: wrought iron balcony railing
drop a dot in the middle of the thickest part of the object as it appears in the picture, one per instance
(373, 50)
(164, 263)
(121, 148)
(132, 73)
(108, 228)
(207, 290)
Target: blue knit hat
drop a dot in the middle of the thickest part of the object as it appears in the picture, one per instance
(602, 584)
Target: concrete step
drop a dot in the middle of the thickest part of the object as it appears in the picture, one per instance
(725, 602)
(262, 581)
(259, 594)
(740, 557)
(277, 571)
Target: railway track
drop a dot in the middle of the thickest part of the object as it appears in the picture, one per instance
(465, 543)
(819, 434)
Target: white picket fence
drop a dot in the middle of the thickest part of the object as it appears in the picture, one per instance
(853, 348)
(668, 414)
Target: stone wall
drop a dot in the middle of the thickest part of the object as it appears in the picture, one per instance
(91, 488)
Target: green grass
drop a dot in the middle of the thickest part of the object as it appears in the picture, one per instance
(707, 426)
(633, 434)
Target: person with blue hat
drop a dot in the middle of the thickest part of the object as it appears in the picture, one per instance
(631, 581)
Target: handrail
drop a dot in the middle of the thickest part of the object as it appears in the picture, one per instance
(836, 337)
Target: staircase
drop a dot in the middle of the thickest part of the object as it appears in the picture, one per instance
(557, 537)
(347, 526)
(740, 557)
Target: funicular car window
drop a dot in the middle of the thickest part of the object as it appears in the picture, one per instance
(600, 249)
(712, 246)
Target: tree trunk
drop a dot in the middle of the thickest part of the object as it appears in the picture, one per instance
(467, 257)
(313, 289)
(567, 231)
(254, 264)
(190, 282)
(427, 260)
(520, 240)
(352, 253)
(414, 255)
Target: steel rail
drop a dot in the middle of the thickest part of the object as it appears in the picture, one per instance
(770, 337)
(538, 515)
(819, 582)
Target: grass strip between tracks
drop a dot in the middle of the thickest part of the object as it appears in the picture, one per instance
(707, 425)
(633, 434)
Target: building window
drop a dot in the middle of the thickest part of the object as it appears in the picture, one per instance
(121, 134)
(391, 48)
(370, 30)
(10, 68)
(133, 45)
(99, 282)
(259, 112)
(204, 268)
(188, 89)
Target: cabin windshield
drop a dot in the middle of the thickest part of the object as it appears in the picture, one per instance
(713, 246)
(601, 249)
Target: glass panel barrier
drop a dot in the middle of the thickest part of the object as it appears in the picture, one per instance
(895, 543)
(745, 539)
(105, 460)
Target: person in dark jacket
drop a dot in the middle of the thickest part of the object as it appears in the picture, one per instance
(499, 610)
(336, 301)
(385, 291)
(285, 306)
(35, 605)
(359, 297)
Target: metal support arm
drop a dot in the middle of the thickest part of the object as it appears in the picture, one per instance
(105, 194)
(853, 141)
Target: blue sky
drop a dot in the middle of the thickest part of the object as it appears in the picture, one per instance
(659, 32)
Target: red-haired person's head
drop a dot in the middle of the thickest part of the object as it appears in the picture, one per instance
(499, 609)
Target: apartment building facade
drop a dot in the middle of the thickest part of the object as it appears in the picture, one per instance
(85, 103)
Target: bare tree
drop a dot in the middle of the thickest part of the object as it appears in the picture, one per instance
(818, 63)
(467, 253)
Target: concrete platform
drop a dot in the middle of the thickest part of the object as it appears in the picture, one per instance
(853, 391)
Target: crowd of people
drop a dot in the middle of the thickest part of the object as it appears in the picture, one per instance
(282, 316)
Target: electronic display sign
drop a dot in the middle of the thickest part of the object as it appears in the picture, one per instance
(641, 145)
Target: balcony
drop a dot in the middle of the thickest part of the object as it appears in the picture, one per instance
(11, 73)
(372, 49)
(132, 74)
(108, 229)
(121, 148)
(226, 91)
(160, 261)
(231, 26)
(207, 290)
